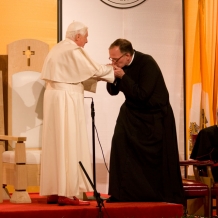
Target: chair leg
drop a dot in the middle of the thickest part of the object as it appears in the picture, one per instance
(211, 206)
(5, 193)
(20, 197)
(185, 209)
(216, 205)
(185, 212)
(20, 194)
(206, 206)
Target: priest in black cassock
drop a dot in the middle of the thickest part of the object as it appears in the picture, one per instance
(144, 162)
(206, 147)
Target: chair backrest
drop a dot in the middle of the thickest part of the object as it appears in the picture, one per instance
(25, 89)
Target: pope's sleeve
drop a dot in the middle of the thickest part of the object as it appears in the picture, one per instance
(100, 71)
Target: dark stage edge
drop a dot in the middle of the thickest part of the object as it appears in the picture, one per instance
(39, 209)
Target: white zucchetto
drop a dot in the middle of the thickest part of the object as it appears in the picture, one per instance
(74, 26)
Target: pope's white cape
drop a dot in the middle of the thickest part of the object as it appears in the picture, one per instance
(61, 59)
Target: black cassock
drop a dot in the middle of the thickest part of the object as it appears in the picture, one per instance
(144, 162)
(206, 147)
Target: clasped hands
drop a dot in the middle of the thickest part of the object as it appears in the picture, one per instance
(118, 72)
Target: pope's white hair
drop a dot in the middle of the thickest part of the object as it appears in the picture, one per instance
(76, 28)
(72, 34)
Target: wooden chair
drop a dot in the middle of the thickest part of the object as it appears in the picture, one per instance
(21, 163)
(195, 188)
(214, 187)
(205, 168)
(16, 174)
(206, 150)
(3, 193)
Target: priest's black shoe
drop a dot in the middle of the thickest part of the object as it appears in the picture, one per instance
(112, 199)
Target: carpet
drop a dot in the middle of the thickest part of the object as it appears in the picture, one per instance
(40, 209)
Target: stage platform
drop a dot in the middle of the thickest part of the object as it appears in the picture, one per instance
(40, 209)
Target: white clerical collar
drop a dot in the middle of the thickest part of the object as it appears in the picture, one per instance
(132, 59)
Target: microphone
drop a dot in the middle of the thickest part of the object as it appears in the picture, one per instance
(92, 107)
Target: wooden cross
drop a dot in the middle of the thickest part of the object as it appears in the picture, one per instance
(28, 53)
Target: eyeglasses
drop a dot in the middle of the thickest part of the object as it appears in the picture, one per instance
(116, 59)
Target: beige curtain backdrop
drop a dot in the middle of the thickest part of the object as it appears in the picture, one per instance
(33, 19)
(201, 63)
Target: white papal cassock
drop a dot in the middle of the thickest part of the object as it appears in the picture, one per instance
(64, 137)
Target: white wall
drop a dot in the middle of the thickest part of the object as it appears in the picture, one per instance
(154, 27)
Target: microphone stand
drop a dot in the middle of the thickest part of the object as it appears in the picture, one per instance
(97, 195)
(93, 141)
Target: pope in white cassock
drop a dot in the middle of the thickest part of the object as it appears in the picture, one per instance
(68, 71)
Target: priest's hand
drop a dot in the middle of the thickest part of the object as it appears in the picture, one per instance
(118, 72)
